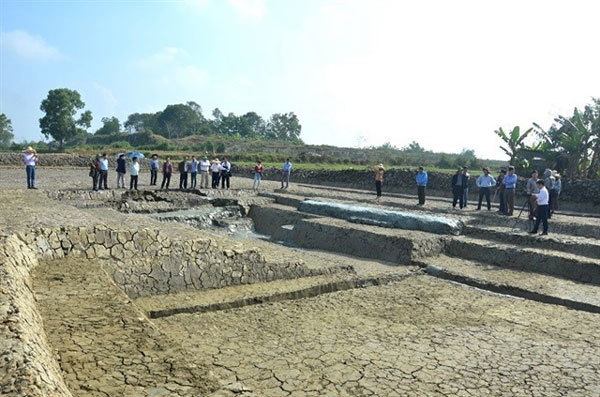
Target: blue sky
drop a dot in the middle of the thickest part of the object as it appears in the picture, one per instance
(356, 72)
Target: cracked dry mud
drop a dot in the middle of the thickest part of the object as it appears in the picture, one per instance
(417, 335)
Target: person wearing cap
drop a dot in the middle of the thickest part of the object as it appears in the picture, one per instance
(542, 198)
(510, 183)
(458, 188)
(154, 166)
(467, 178)
(215, 169)
(531, 190)
(204, 169)
(30, 158)
(500, 191)
(378, 180)
(103, 163)
(421, 180)
(485, 183)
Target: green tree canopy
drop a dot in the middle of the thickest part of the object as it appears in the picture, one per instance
(414, 147)
(111, 125)
(6, 130)
(61, 106)
(513, 142)
(284, 126)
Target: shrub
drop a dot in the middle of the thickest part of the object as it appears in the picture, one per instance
(120, 145)
(220, 147)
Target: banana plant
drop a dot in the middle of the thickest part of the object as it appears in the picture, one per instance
(514, 141)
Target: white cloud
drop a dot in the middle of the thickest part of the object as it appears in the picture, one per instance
(250, 9)
(28, 46)
(164, 57)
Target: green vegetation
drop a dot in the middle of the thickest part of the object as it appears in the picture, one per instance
(6, 130)
(60, 107)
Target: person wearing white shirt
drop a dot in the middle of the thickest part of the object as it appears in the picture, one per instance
(485, 183)
(204, 169)
(215, 168)
(30, 158)
(225, 173)
(542, 208)
(134, 171)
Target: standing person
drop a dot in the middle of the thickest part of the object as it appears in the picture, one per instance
(193, 172)
(258, 173)
(154, 165)
(30, 158)
(531, 190)
(204, 169)
(183, 171)
(542, 198)
(467, 178)
(421, 180)
(500, 191)
(285, 173)
(134, 171)
(215, 169)
(458, 189)
(549, 183)
(378, 180)
(485, 183)
(556, 188)
(94, 172)
(121, 162)
(167, 170)
(103, 172)
(510, 183)
(225, 173)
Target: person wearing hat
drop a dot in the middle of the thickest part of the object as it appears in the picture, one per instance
(30, 158)
(378, 180)
(485, 183)
(458, 188)
(421, 180)
(204, 169)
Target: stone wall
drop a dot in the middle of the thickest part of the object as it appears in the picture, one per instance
(27, 366)
(147, 262)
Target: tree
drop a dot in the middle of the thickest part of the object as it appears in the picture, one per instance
(284, 126)
(414, 147)
(60, 107)
(111, 125)
(513, 142)
(6, 130)
(137, 122)
(177, 121)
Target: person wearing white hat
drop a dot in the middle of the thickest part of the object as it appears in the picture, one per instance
(30, 158)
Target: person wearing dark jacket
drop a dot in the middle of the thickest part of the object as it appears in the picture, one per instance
(121, 163)
(458, 188)
(167, 170)
(95, 172)
(183, 171)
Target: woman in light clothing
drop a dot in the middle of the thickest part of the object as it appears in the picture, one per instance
(258, 173)
(30, 158)
(134, 171)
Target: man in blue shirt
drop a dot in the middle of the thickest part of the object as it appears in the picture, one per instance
(421, 180)
(510, 183)
(103, 172)
(193, 169)
(285, 173)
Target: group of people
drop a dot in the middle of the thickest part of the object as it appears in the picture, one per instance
(218, 170)
(542, 194)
